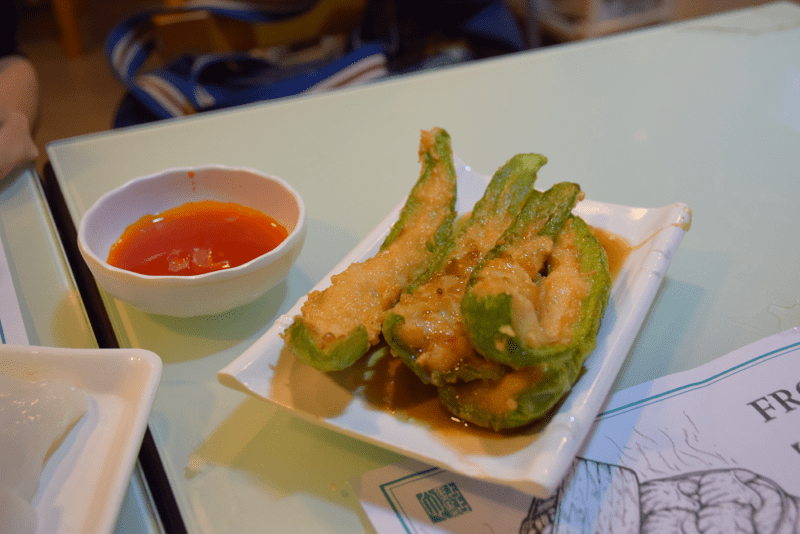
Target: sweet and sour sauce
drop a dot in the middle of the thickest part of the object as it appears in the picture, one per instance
(196, 238)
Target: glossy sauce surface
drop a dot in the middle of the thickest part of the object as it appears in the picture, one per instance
(196, 238)
(387, 384)
(617, 249)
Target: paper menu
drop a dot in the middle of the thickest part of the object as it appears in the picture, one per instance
(714, 449)
(12, 328)
(739, 411)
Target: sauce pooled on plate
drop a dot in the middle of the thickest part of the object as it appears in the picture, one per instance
(196, 238)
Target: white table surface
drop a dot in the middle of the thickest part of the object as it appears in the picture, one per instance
(705, 112)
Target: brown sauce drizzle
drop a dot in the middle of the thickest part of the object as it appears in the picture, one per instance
(617, 249)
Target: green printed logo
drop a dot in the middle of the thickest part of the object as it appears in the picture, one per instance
(444, 502)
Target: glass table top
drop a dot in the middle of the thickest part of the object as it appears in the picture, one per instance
(703, 112)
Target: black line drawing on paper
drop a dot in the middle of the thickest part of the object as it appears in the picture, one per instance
(664, 482)
(603, 498)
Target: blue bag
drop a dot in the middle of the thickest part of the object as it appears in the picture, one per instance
(203, 82)
(194, 83)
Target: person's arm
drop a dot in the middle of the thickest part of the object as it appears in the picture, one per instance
(16, 145)
(19, 101)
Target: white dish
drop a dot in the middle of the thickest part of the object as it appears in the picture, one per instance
(534, 462)
(201, 294)
(84, 481)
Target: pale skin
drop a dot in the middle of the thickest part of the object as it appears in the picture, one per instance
(18, 107)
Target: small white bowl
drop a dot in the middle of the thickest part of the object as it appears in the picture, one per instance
(203, 294)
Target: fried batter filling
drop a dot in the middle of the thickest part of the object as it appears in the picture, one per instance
(432, 319)
(564, 289)
(431, 314)
(545, 308)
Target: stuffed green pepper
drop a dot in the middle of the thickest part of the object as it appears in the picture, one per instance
(338, 325)
(537, 314)
(535, 300)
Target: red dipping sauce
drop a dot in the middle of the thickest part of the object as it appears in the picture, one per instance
(196, 238)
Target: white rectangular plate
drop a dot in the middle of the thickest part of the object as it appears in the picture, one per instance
(534, 462)
(84, 481)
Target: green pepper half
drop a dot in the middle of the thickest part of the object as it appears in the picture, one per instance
(339, 324)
